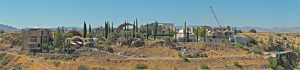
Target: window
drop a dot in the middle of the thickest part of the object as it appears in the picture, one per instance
(33, 39)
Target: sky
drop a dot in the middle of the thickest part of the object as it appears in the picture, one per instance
(238, 13)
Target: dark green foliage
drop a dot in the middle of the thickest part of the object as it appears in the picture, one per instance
(284, 38)
(155, 29)
(106, 28)
(237, 64)
(18, 66)
(110, 49)
(252, 30)
(272, 63)
(84, 30)
(169, 30)
(147, 31)
(82, 67)
(141, 66)
(204, 66)
(90, 28)
(112, 26)
(136, 25)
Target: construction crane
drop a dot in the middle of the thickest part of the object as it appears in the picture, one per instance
(215, 16)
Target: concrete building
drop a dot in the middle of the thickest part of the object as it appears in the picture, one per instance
(35, 38)
(219, 35)
(161, 29)
(180, 36)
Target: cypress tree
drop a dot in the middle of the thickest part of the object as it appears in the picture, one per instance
(169, 34)
(197, 35)
(155, 29)
(112, 26)
(136, 21)
(106, 29)
(147, 31)
(133, 29)
(90, 29)
(84, 30)
(187, 35)
(125, 30)
(175, 34)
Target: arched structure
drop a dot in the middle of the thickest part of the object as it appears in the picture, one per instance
(120, 28)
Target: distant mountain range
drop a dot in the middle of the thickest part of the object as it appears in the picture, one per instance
(7, 28)
(261, 29)
(258, 29)
(275, 29)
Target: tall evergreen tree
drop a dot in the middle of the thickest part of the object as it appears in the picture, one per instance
(90, 29)
(187, 35)
(125, 28)
(197, 35)
(133, 29)
(169, 34)
(155, 29)
(147, 31)
(112, 26)
(106, 29)
(136, 25)
(84, 30)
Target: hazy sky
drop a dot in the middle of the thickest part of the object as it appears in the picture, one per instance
(53, 13)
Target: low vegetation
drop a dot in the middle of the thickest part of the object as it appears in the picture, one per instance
(141, 66)
(56, 63)
(237, 64)
(82, 67)
(18, 66)
(204, 66)
(3, 59)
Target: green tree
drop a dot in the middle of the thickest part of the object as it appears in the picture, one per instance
(147, 31)
(84, 30)
(200, 31)
(252, 30)
(58, 38)
(155, 29)
(106, 28)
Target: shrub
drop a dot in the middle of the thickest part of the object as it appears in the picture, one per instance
(82, 67)
(204, 66)
(280, 68)
(272, 63)
(237, 64)
(185, 59)
(4, 61)
(98, 68)
(56, 63)
(141, 66)
(110, 49)
(18, 66)
(256, 49)
(252, 30)
(240, 46)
